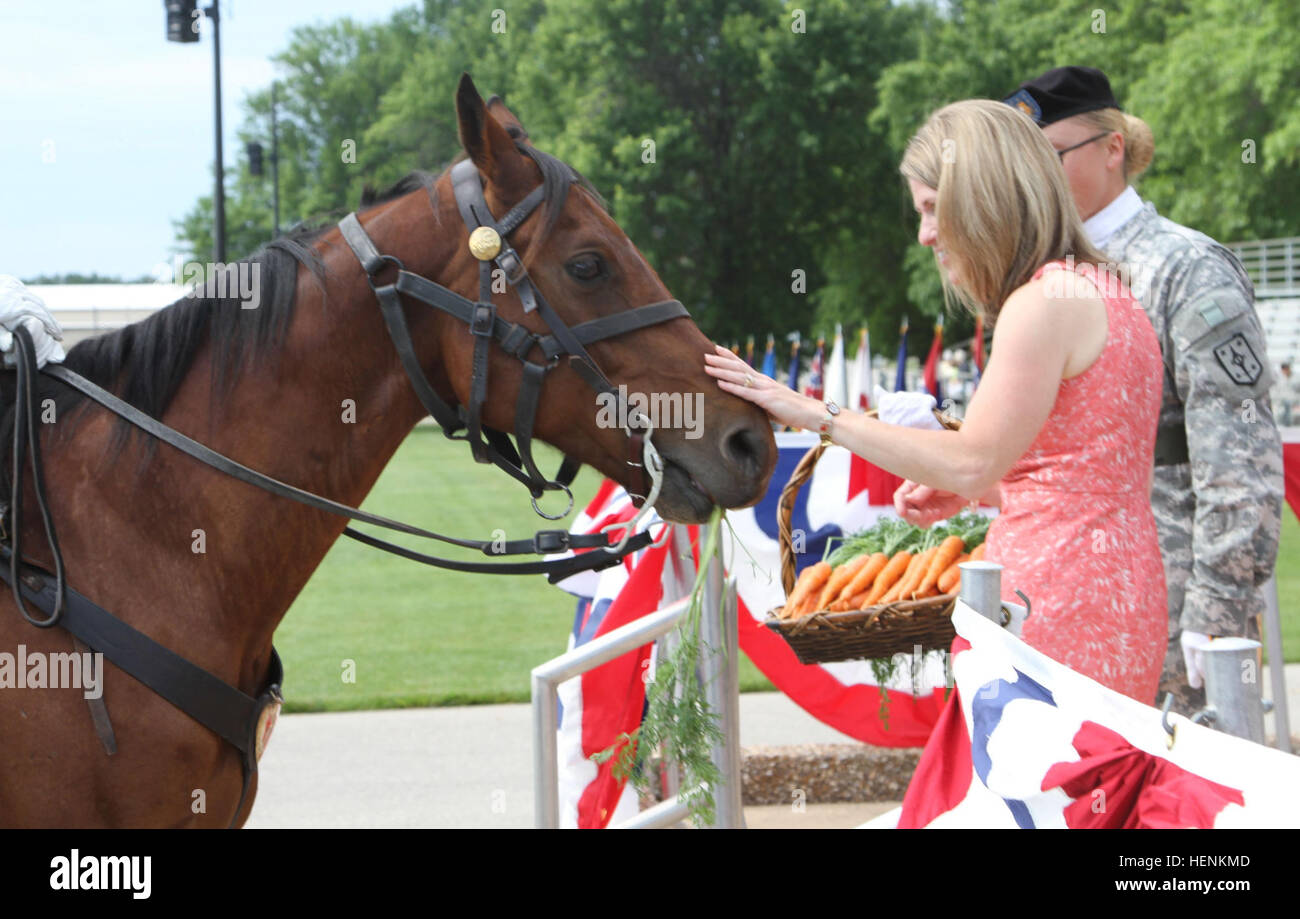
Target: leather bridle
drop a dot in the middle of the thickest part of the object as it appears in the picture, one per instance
(489, 243)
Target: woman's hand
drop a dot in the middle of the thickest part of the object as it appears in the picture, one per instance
(782, 403)
(922, 505)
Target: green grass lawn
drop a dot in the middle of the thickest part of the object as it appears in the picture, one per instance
(424, 636)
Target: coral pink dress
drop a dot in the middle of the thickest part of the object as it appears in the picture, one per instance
(1076, 532)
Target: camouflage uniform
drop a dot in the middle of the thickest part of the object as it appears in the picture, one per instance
(1218, 511)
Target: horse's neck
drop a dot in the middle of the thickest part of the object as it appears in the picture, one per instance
(324, 411)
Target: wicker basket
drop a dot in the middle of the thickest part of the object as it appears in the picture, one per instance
(876, 632)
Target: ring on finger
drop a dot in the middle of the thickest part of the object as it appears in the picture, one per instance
(749, 380)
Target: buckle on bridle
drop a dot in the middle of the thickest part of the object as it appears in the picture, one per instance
(512, 265)
(548, 542)
(483, 320)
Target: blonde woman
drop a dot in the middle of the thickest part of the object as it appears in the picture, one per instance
(1217, 496)
(1061, 429)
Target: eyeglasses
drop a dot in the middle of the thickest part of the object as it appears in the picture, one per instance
(1082, 143)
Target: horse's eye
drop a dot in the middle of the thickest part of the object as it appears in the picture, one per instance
(586, 267)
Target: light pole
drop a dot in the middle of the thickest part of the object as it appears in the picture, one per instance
(275, 166)
(183, 26)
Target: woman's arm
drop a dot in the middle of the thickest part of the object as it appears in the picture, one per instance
(1031, 344)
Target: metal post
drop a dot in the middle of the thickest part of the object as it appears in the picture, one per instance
(1231, 694)
(219, 190)
(546, 770)
(981, 588)
(720, 674)
(548, 676)
(1276, 666)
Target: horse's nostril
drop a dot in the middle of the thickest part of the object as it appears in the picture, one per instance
(747, 448)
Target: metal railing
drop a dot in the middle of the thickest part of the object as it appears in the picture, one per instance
(719, 673)
(1273, 265)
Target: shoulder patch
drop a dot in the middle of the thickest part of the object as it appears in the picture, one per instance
(1239, 360)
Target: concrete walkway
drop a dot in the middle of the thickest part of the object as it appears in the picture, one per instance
(472, 767)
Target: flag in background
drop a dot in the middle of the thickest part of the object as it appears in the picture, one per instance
(1026, 742)
(900, 377)
(815, 385)
(794, 362)
(769, 358)
(931, 374)
(860, 374)
(865, 476)
(837, 384)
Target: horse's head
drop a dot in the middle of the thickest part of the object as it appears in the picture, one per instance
(717, 449)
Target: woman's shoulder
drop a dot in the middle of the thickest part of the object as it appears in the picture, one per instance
(1064, 308)
(1056, 283)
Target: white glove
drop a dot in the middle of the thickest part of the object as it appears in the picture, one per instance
(1193, 644)
(20, 305)
(909, 409)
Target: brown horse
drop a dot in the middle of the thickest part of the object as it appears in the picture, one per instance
(269, 387)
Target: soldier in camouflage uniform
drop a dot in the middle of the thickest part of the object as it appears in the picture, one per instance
(1217, 488)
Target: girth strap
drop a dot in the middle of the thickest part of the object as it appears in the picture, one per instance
(212, 702)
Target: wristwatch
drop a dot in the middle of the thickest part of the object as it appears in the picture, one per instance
(825, 427)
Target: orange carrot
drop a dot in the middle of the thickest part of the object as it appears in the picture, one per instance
(866, 575)
(949, 580)
(899, 590)
(944, 556)
(908, 590)
(839, 578)
(889, 576)
(812, 578)
(977, 554)
(847, 603)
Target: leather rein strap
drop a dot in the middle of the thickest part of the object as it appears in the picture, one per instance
(546, 541)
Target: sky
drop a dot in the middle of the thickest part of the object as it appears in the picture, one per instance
(106, 128)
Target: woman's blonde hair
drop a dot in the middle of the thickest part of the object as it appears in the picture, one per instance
(1139, 142)
(1003, 204)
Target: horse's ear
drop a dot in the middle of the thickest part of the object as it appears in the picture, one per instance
(486, 140)
(509, 120)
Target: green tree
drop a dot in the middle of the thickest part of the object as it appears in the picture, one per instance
(1227, 143)
(731, 140)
